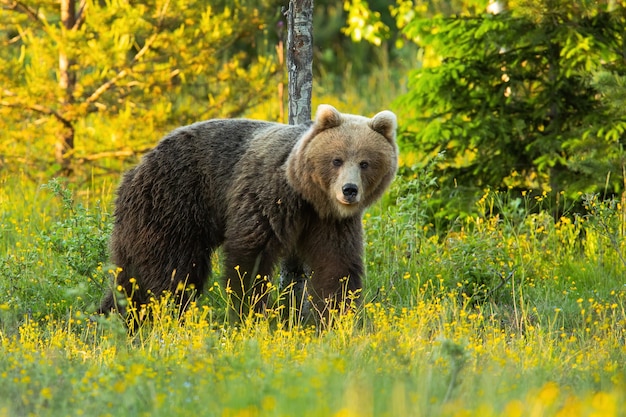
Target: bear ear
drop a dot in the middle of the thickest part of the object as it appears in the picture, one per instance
(386, 124)
(327, 116)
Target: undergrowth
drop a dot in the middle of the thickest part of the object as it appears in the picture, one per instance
(509, 311)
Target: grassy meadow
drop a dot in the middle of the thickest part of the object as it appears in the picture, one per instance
(512, 311)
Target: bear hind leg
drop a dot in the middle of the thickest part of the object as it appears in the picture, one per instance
(247, 281)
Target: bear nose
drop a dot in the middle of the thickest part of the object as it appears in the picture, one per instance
(350, 190)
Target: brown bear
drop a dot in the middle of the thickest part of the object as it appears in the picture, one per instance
(264, 192)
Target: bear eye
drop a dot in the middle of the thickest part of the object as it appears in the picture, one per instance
(364, 164)
(337, 162)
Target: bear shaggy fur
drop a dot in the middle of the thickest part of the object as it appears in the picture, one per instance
(265, 192)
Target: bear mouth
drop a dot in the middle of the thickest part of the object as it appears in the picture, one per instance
(348, 201)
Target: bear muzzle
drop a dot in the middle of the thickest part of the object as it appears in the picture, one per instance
(349, 194)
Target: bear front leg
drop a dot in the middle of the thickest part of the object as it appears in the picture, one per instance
(336, 285)
(335, 253)
(294, 278)
(246, 279)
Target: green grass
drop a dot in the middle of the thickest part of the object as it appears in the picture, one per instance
(505, 313)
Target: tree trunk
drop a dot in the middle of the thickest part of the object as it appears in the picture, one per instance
(300, 59)
(67, 82)
(294, 275)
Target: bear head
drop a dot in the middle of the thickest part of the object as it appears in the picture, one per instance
(343, 162)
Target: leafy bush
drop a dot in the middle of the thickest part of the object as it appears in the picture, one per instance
(63, 266)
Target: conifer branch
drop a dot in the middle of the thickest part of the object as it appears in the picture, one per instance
(80, 15)
(36, 108)
(123, 73)
(114, 154)
(20, 7)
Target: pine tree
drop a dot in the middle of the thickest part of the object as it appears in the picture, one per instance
(85, 82)
(511, 98)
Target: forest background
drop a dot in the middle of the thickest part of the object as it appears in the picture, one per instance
(496, 262)
(524, 95)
